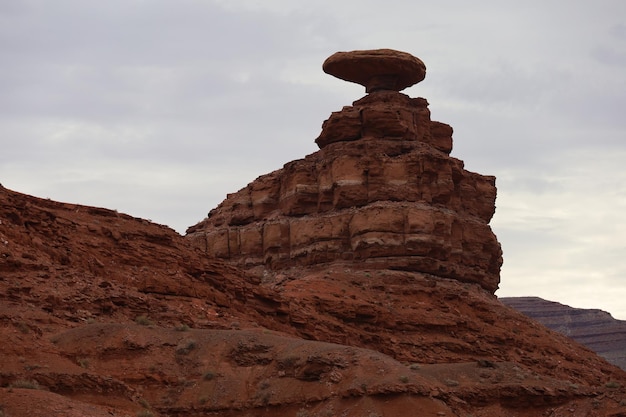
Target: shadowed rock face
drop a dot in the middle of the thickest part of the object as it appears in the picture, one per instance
(382, 191)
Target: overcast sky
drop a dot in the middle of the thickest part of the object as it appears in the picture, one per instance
(160, 108)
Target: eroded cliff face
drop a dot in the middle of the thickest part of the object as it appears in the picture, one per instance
(382, 191)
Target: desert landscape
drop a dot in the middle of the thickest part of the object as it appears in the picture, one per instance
(357, 281)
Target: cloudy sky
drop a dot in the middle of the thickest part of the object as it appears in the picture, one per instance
(160, 108)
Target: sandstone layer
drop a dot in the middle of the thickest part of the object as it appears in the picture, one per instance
(594, 328)
(382, 191)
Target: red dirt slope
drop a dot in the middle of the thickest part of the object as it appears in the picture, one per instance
(105, 314)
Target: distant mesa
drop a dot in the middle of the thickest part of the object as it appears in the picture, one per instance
(376, 69)
(593, 328)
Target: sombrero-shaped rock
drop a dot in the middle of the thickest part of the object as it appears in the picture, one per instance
(376, 69)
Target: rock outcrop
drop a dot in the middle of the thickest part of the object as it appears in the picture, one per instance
(382, 191)
(594, 328)
(104, 314)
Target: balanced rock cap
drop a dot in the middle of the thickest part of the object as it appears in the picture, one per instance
(376, 69)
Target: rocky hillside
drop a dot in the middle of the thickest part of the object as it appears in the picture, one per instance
(596, 329)
(373, 297)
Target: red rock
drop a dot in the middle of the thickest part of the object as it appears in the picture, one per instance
(382, 189)
(376, 70)
(113, 315)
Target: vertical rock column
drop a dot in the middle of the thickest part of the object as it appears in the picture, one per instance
(382, 190)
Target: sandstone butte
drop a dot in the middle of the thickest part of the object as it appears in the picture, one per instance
(358, 281)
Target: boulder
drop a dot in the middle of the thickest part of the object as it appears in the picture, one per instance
(377, 69)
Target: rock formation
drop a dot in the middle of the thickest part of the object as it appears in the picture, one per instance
(594, 328)
(380, 69)
(369, 293)
(382, 191)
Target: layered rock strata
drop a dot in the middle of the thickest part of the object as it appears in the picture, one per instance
(382, 191)
(594, 328)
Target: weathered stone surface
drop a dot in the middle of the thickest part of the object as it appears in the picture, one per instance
(376, 69)
(92, 299)
(382, 189)
(388, 115)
